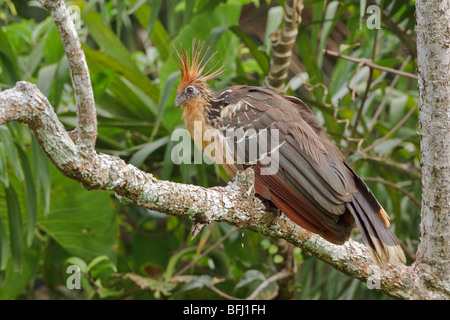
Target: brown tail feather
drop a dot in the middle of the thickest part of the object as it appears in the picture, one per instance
(382, 243)
(372, 221)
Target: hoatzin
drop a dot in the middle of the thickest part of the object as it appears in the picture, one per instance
(312, 183)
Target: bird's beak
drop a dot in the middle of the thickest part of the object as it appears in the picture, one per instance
(180, 99)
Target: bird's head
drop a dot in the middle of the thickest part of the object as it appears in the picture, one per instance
(193, 86)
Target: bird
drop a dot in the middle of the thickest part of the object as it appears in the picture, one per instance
(308, 180)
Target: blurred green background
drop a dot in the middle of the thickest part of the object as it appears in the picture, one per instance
(48, 222)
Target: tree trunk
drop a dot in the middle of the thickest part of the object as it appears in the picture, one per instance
(433, 53)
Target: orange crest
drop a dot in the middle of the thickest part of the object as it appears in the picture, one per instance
(192, 66)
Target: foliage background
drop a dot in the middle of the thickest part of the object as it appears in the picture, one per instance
(48, 222)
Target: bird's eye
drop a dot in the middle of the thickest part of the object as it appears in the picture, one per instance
(190, 90)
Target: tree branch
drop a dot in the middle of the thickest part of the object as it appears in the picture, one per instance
(370, 64)
(204, 253)
(359, 113)
(85, 134)
(278, 276)
(392, 131)
(383, 102)
(395, 186)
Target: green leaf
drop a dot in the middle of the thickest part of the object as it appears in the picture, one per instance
(386, 147)
(318, 8)
(330, 15)
(170, 269)
(161, 39)
(168, 88)
(3, 166)
(77, 262)
(96, 261)
(259, 55)
(42, 172)
(168, 163)
(154, 5)
(309, 58)
(105, 37)
(115, 54)
(147, 14)
(61, 78)
(99, 61)
(11, 152)
(15, 281)
(244, 246)
(8, 60)
(82, 222)
(150, 255)
(15, 228)
(98, 264)
(34, 61)
(215, 35)
(250, 276)
(53, 49)
(202, 178)
(4, 248)
(146, 150)
(46, 77)
(30, 194)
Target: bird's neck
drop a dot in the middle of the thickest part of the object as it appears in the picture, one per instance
(194, 112)
(196, 119)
